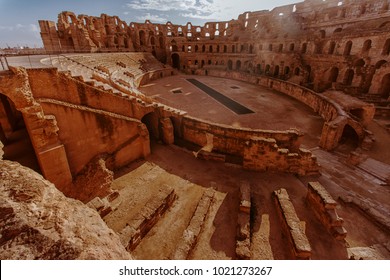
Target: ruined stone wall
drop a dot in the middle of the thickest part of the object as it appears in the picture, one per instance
(321, 44)
(231, 140)
(88, 133)
(90, 121)
(258, 149)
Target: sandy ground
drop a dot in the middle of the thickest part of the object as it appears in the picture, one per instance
(178, 168)
(272, 110)
(190, 176)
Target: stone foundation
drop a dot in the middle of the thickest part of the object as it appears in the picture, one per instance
(299, 244)
(324, 206)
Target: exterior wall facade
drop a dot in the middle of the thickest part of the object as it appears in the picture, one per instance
(335, 44)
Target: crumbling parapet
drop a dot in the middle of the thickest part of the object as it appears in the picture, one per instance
(243, 242)
(324, 207)
(299, 244)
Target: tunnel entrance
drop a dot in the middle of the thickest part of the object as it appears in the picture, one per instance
(151, 122)
(349, 140)
(176, 61)
(14, 135)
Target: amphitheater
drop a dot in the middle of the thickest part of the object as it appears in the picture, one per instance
(263, 137)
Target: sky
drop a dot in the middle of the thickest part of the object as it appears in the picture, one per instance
(19, 18)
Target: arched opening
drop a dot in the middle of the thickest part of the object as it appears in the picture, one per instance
(210, 49)
(286, 70)
(203, 48)
(322, 34)
(292, 47)
(337, 30)
(142, 38)
(230, 65)
(366, 47)
(359, 63)
(348, 78)
(348, 48)
(258, 68)
(385, 87)
(151, 122)
(15, 137)
(196, 48)
(297, 71)
(386, 48)
(304, 48)
(233, 49)
(238, 65)
(152, 41)
(276, 72)
(176, 61)
(161, 42)
(334, 73)
(332, 47)
(224, 48)
(267, 69)
(349, 139)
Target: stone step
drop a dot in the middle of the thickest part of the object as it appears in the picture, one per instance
(376, 168)
(299, 243)
(191, 234)
(141, 223)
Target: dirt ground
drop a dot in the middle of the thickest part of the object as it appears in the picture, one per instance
(272, 110)
(175, 167)
(178, 168)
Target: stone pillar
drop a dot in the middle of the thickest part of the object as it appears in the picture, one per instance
(168, 136)
(144, 133)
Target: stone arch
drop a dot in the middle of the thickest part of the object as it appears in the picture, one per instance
(348, 48)
(332, 47)
(14, 135)
(238, 65)
(268, 69)
(384, 90)
(348, 77)
(142, 38)
(337, 30)
(359, 63)
(334, 73)
(349, 137)
(286, 70)
(230, 64)
(386, 47)
(176, 61)
(366, 47)
(161, 41)
(151, 122)
(304, 48)
(276, 71)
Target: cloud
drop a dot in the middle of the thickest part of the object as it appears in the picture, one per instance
(152, 18)
(202, 9)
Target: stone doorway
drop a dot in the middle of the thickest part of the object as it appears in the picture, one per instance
(385, 87)
(349, 139)
(15, 137)
(176, 61)
(151, 122)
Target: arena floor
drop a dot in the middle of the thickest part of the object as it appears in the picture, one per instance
(271, 110)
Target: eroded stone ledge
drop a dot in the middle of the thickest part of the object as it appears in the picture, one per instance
(299, 244)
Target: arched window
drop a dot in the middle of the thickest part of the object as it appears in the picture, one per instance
(348, 48)
(304, 48)
(366, 47)
(348, 78)
(386, 48)
(332, 47)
